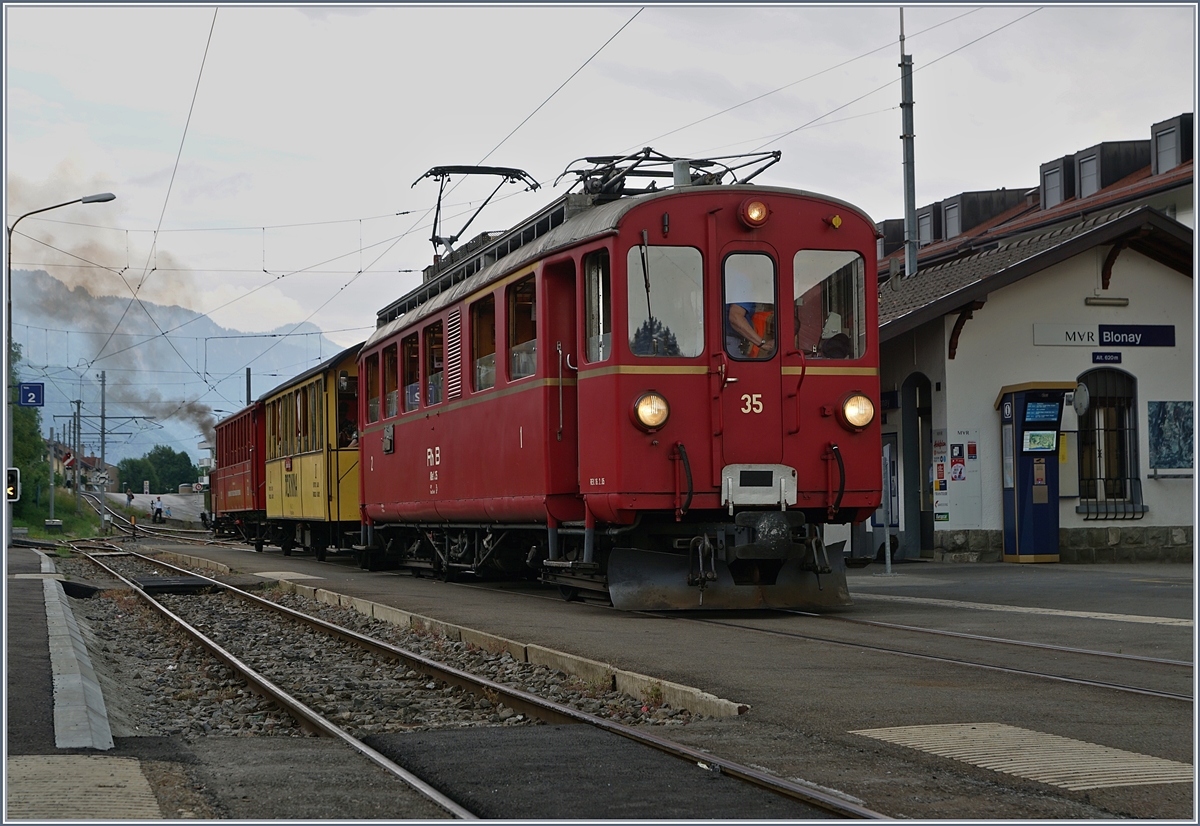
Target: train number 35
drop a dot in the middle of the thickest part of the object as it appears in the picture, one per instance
(752, 403)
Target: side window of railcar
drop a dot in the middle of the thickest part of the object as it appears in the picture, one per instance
(830, 304)
(391, 379)
(434, 384)
(597, 306)
(410, 376)
(372, 367)
(749, 308)
(522, 329)
(483, 343)
(666, 301)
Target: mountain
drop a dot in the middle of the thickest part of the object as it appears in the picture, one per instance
(165, 362)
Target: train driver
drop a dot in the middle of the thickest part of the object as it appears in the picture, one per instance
(749, 306)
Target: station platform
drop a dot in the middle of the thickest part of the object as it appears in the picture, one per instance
(62, 762)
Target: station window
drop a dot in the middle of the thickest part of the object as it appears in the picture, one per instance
(391, 378)
(372, 367)
(749, 314)
(483, 343)
(410, 365)
(829, 312)
(522, 329)
(1110, 485)
(597, 306)
(434, 373)
(666, 301)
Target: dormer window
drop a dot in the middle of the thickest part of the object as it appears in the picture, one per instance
(950, 216)
(1171, 143)
(1166, 148)
(1089, 176)
(1058, 181)
(929, 224)
(1052, 188)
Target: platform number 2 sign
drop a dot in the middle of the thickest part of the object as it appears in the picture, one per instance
(752, 403)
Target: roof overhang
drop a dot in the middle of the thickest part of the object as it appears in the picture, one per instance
(1146, 231)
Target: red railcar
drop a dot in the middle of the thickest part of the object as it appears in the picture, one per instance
(237, 483)
(659, 396)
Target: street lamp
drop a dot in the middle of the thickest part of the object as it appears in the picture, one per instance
(8, 451)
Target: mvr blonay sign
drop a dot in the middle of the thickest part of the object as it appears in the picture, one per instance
(1104, 335)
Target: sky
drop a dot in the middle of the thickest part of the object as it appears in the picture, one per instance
(268, 160)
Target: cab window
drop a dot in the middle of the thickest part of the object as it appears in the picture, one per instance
(666, 301)
(749, 308)
(522, 329)
(597, 306)
(483, 343)
(830, 304)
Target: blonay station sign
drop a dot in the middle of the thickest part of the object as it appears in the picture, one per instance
(1104, 335)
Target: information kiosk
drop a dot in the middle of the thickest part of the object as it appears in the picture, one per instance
(1030, 415)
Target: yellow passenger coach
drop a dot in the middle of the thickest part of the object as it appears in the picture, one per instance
(312, 458)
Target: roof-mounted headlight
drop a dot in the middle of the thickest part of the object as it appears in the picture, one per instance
(753, 213)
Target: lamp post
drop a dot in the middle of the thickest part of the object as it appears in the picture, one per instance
(8, 342)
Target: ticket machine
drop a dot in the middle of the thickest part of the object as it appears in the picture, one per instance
(1030, 416)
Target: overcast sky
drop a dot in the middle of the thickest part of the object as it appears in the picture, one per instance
(309, 125)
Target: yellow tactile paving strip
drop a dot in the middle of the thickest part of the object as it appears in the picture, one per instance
(1046, 758)
(78, 787)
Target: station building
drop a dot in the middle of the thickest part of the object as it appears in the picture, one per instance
(1037, 368)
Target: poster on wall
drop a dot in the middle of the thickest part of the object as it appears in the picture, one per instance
(1170, 435)
(966, 485)
(940, 473)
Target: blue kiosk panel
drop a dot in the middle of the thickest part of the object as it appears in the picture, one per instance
(1030, 416)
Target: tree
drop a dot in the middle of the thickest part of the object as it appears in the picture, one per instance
(28, 447)
(164, 468)
(653, 339)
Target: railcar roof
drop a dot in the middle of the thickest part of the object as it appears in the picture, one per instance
(593, 223)
(307, 374)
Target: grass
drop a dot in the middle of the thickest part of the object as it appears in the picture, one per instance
(33, 515)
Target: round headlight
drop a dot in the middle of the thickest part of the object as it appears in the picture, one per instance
(858, 411)
(650, 411)
(753, 213)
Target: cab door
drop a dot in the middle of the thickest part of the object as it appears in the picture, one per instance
(748, 352)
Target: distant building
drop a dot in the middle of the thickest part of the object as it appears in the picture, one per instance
(1085, 280)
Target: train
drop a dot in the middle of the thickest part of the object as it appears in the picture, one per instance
(655, 391)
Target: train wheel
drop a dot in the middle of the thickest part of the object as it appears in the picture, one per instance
(568, 593)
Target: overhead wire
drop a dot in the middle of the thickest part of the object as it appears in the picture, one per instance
(167, 198)
(896, 80)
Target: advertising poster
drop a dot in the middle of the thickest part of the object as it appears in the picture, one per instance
(941, 477)
(966, 484)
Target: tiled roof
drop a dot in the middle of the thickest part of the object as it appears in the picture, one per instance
(1028, 217)
(906, 303)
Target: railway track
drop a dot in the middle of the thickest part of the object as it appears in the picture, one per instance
(1173, 675)
(196, 617)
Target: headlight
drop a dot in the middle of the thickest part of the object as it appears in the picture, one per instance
(650, 411)
(753, 213)
(857, 411)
